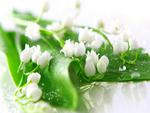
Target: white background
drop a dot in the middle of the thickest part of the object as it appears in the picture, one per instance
(132, 13)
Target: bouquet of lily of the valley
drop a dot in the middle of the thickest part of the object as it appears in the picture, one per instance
(53, 64)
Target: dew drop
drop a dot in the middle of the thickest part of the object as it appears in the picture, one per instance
(122, 68)
(135, 75)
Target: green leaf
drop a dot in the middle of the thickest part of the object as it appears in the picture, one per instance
(58, 89)
(141, 66)
(8, 46)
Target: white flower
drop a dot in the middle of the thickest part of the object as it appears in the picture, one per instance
(100, 24)
(25, 55)
(102, 64)
(44, 59)
(54, 26)
(33, 92)
(68, 48)
(85, 35)
(45, 5)
(89, 68)
(34, 77)
(134, 44)
(36, 54)
(93, 56)
(119, 47)
(68, 22)
(32, 31)
(126, 35)
(114, 27)
(79, 49)
(96, 43)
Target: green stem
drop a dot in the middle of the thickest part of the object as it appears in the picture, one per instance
(35, 69)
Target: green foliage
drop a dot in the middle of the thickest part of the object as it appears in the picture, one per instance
(8, 46)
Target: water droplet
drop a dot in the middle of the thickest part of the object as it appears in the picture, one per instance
(43, 84)
(135, 75)
(122, 68)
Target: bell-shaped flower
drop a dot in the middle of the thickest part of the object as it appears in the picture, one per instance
(102, 64)
(33, 92)
(25, 55)
(89, 68)
(34, 78)
(36, 54)
(96, 43)
(68, 48)
(134, 44)
(86, 36)
(32, 31)
(79, 49)
(119, 47)
(44, 59)
(92, 55)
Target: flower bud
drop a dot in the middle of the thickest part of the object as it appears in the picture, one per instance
(85, 35)
(134, 44)
(36, 54)
(33, 92)
(97, 43)
(102, 64)
(89, 68)
(44, 59)
(79, 49)
(68, 48)
(93, 56)
(32, 31)
(34, 77)
(119, 47)
(25, 55)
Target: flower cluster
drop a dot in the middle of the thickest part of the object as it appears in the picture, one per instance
(32, 90)
(93, 62)
(73, 49)
(90, 38)
(34, 53)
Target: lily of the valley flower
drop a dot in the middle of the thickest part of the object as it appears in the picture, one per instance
(119, 47)
(36, 54)
(134, 44)
(25, 55)
(44, 59)
(102, 64)
(96, 43)
(86, 36)
(34, 78)
(126, 35)
(33, 92)
(32, 31)
(79, 49)
(92, 55)
(71, 49)
(89, 68)
(68, 22)
(68, 48)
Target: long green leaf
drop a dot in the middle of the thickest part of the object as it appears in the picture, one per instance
(7, 45)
